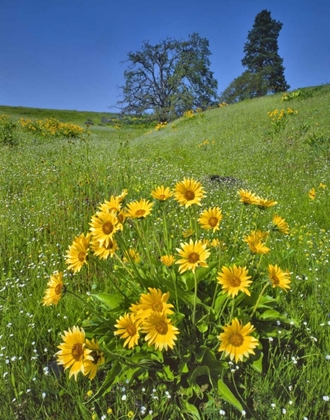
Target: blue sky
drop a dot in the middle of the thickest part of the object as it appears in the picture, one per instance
(69, 54)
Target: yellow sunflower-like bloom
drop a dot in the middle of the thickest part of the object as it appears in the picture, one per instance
(91, 366)
(248, 197)
(160, 331)
(167, 260)
(234, 279)
(55, 290)
(111, 206)
(123, 195)
(193, 254)
(154, 301)
(236, 341)
(210, 219)
(103, 226)
(188, 192)
(132, 255)
(161, 193)
(105, 249)
(254, 241)
(73, 351)
(139, 209)
(76, 255)
(278, 277)
(280, 224)
(128, 327)
(263, 203)
(312, 194)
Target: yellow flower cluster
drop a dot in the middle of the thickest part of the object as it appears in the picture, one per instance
(222, 105)
(160, 125)
(205, 144)
(51, 126)
(79, 354)
(149, 316)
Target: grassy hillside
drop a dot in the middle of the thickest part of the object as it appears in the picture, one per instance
(51, 186)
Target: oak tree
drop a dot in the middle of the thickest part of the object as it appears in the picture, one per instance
(169, 78)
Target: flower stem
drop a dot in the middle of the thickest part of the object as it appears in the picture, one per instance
(258, 300)
(193, 318)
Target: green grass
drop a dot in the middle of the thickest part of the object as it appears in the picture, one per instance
(50, 188)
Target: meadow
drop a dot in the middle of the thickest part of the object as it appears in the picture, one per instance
(53, 180)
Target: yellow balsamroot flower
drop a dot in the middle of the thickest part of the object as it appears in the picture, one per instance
(111, 206)
(210, 219)
(128, 327)
(263, 203)
(254, 241)
(103, 226)
(248, 197)
(188, 192)
(122, 195)
(167, 260)
(55, 290)
(312, 194)
(322, 186)
(139, 209)
(161, 193)
(236, 341)
(187, 233)
(278, 277)
(160, 331)
(193, 254)
(91, 366)
(280, 224)
(132, 255)
(104, 249)
(76, 255)
(234, 279)
(154, 301)
(73, 351)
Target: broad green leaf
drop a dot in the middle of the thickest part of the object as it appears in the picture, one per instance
(111, 301)
(225, 393)
(190, 410)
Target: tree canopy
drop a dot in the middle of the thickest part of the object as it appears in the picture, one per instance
(261, 52)
(169, 78)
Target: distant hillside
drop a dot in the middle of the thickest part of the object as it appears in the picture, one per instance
(76, 117)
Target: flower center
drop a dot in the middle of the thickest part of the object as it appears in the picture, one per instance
(193, 257)
(140, 213)
(109, 245)
(58, 289)
(107, 228)
(213, 221)
(236, 339)
(131, 330)
(162, 197)
(77, 351)
(157, 306)
(275, 280)
(81, 256)
(161, 327)
(234, 281)
(96, 357)
(189, 195)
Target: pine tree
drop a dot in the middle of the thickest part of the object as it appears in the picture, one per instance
(261, 52)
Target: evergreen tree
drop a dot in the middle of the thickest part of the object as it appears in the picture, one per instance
(261, 52)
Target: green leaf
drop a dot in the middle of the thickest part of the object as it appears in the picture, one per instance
(257, 364)
(225, 393)
(111, 301)
(202, 327)
(190, 410)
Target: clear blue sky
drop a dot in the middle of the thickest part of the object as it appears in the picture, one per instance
(68, 54)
